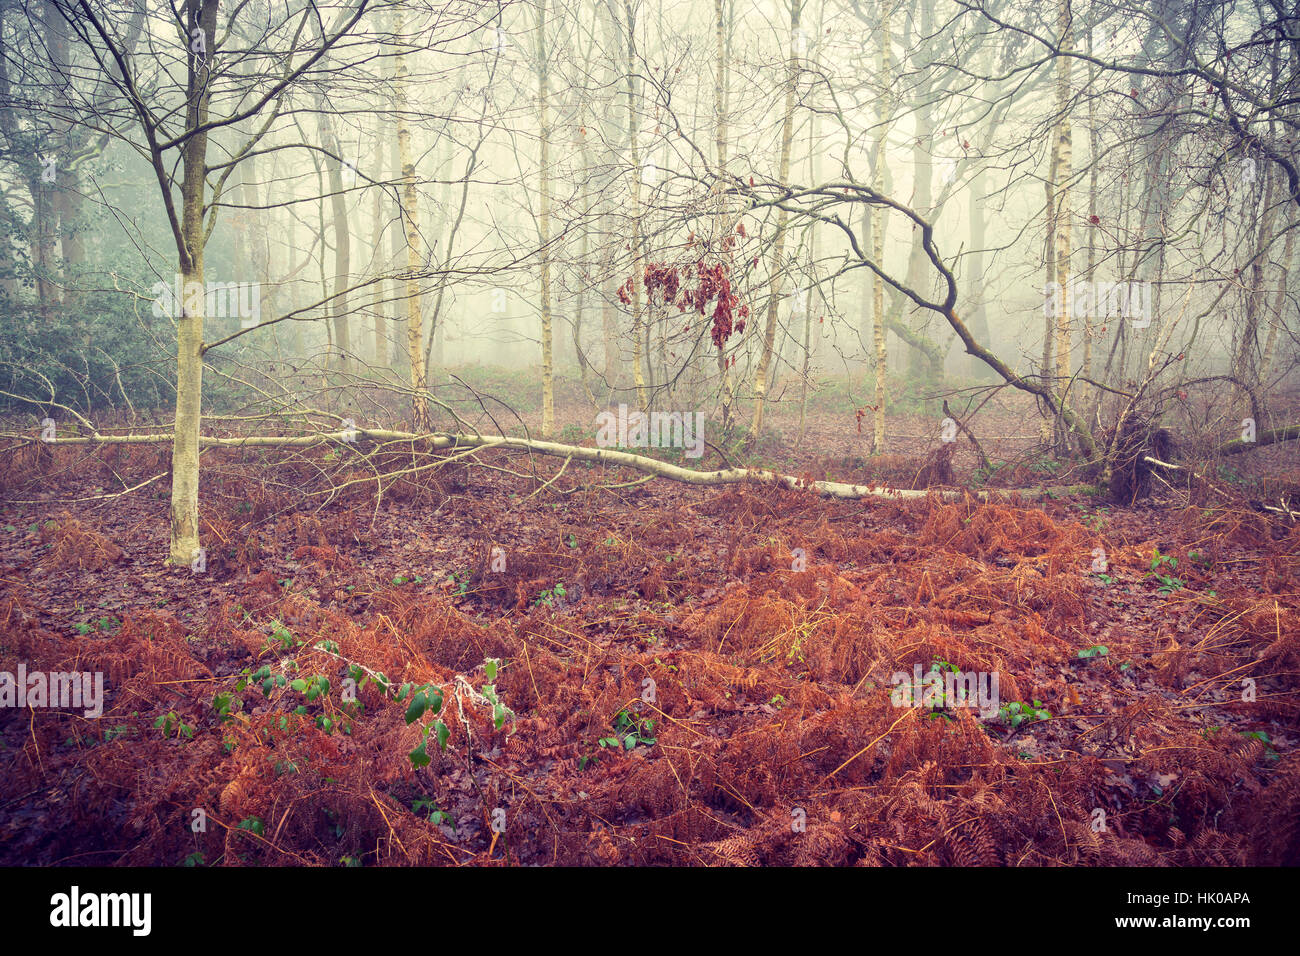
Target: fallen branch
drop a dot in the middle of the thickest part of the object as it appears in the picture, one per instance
(1284, 510)
(1269, 437)
(1162, 464)
(440, 441)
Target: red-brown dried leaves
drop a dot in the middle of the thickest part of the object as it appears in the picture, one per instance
(671, 284)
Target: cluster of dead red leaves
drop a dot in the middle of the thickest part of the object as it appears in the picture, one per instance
(774, 739)
(668, 283)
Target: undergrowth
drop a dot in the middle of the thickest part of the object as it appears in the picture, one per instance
(660, 688)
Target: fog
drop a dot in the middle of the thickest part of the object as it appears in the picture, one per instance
(498, 171)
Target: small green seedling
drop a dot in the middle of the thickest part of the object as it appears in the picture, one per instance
(1168, 583)
(629, 731)
(222, 704)
(169, 722)
(430, 811)
(551, 596)
(282, 636)
(1016, 713)
(489, 690)
(1158, 559)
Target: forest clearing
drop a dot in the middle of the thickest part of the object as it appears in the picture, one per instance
(683, 671)
(600, 433)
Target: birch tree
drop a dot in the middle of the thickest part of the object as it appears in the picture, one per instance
(778, 266)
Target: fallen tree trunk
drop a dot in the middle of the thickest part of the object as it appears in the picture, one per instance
(1273, 435)
(443, 441)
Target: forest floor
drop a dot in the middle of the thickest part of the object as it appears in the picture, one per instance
(686, 675)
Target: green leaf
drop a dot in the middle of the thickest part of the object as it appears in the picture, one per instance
(443, 734)
(299, 685)
(417, 707)
(419, 756)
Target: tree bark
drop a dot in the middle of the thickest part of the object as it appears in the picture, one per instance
(1061, 213)
(544, 223)
(379, 352)
(184, 539)
(722, 222)
(878, 242)
(1277, 317)
(342, 242)
(778, 246)
(421, 421)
